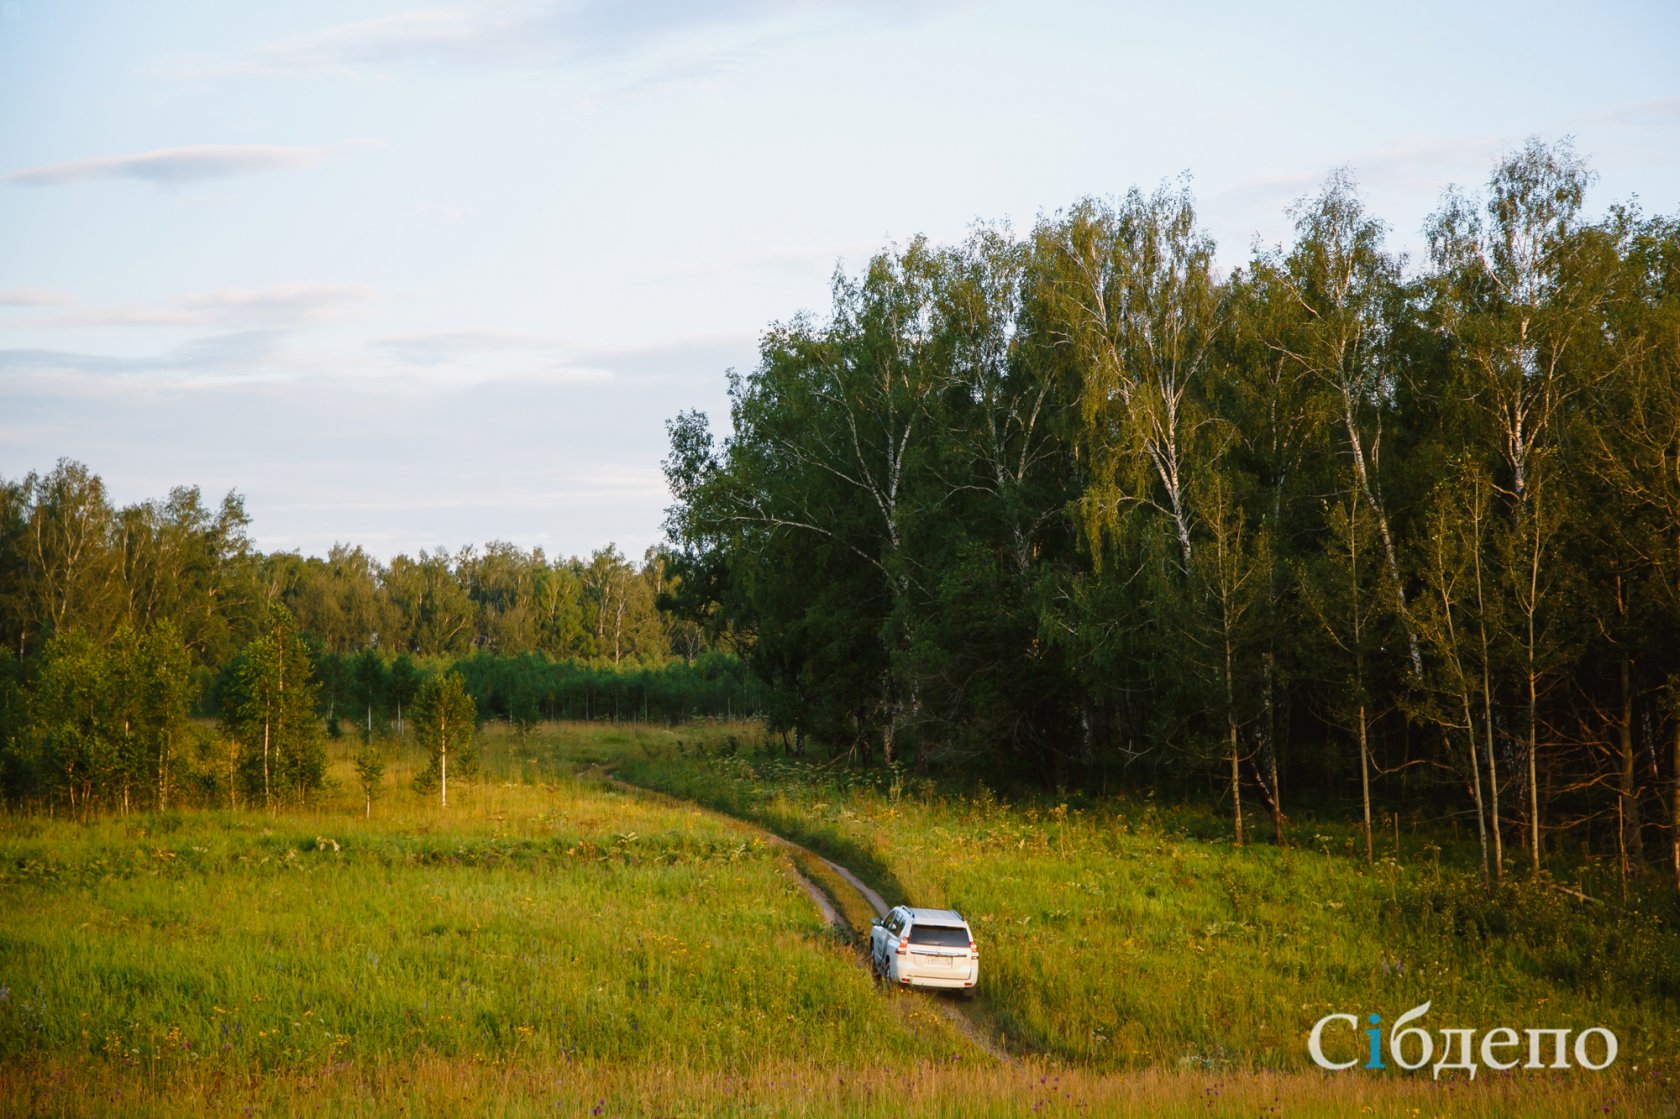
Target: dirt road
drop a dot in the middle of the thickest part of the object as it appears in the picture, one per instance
(968, 1022)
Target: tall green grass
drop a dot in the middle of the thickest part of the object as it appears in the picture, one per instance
(552, 921)
(555, 943)
(1121, 935)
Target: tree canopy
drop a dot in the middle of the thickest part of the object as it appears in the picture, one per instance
(1072, 506)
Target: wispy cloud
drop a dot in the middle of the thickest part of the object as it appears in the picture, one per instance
(567, 443)
(217, 359)
(279, 304)
(502, 365)
(686, 361)
(544, 357)
(781, 258)
(1401, 166)
(178, 166)
(1433, 164)
(534, 487)
(483, 35)
(33, 297)
(492, 358)
(444, 347)
(1660, 112)
(294, 301)
(679, 40)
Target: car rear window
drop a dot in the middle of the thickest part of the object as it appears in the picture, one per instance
(939, 936)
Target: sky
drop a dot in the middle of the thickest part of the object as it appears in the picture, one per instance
(412, 276)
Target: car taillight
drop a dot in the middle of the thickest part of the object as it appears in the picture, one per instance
(973, 951)
(904, 946)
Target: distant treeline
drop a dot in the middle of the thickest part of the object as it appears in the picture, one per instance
(121, 624)
(529, 688)
(70, 560)
(1323, 530)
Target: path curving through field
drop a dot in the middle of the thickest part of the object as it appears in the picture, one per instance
(832, 908)
(874, 899)
(830, 914)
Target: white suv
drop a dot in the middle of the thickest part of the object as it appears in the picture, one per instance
(925, 948)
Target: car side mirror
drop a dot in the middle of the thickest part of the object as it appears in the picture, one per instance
(876, 922)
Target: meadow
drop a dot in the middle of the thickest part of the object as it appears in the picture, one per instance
(1122, 934)
(556, 942)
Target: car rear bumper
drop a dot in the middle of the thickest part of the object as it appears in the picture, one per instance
(942, 980)
(944, 983)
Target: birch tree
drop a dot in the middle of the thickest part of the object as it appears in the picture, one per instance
(1232, 570)
(445, 726)
(1337, 289)
(270, 708)
(1521, 284)
(829, 433)
(1344, 597)
(1130, 292)
(1455, 541)
(68, 551)
(1634, 452)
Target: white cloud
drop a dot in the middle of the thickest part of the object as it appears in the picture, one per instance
(290, 301)
(216, 360)
(496, 364)
(490, 357)
(175, 166)
(678, 41)
(443, 347)
(495, 358)
(1661, 112)
(487, 34)
(1422, 164)
(33, 297)
(494, 34)
(279, 304)
(783, 258)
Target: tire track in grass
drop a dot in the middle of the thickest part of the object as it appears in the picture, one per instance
(829, 892)
(818, 896)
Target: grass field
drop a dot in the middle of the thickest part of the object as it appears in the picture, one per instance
(552, 943)
(1123, 935)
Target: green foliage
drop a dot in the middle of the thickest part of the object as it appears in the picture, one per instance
(404, 683)
(119, 623)
(163, 695)
(1067, 508)
(103, 725)
(372, 682)
(1072, 508)
(73, 739)
(370, 772)
(445, 727)
(527, 689)
(270, 709)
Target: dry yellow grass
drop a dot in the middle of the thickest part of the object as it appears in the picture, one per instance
(427, 1085)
